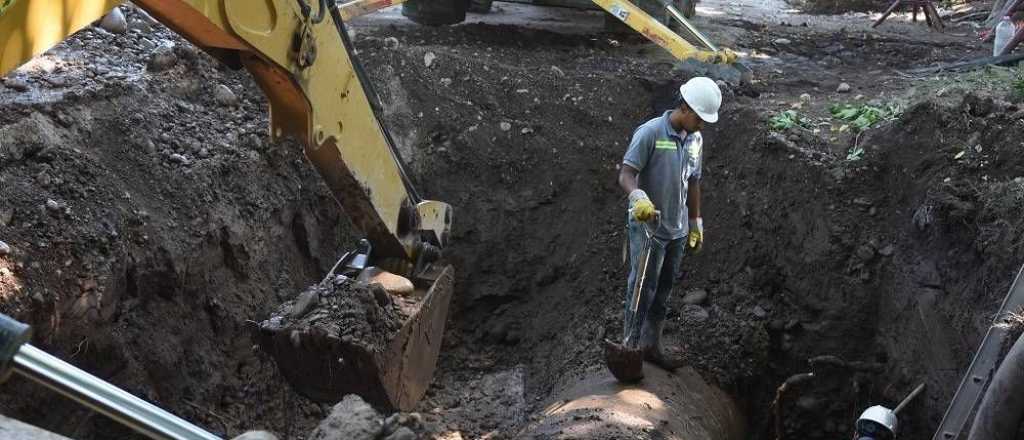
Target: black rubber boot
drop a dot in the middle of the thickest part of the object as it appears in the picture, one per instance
(654, 350)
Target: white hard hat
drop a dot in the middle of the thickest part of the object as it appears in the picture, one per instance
(879, 415)
(703, 96)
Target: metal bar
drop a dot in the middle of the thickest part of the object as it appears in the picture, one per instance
(642, 22)
(103, 397)
(678, 16)
(910, 398)
(980, 372)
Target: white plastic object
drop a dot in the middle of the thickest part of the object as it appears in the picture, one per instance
(1004, 33)
(880, 415)
(703, 96)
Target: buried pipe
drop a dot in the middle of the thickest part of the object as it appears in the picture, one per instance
(667, 406)
(1002, 408)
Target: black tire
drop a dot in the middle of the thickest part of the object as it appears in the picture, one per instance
(436, 12)
(480, 6)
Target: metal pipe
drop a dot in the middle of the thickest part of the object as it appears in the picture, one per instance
(704, 41)
(103, 397)
(910, 397)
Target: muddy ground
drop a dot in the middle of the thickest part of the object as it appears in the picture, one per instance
(151, 223)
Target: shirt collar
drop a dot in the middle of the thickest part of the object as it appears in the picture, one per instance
(667, 124)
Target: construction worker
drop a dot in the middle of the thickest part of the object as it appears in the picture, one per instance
(661, 172)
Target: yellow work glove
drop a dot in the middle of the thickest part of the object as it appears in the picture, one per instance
(640, 206)
(696, 237)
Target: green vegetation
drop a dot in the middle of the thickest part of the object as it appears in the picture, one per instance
(788, 119)
(1017, 84)
(863, 117)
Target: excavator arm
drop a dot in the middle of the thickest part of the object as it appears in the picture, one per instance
(301, 57)
(299, 54)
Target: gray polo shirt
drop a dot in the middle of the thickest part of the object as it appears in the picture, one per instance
(666, 161)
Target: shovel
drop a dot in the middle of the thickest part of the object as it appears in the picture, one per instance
(626, 360)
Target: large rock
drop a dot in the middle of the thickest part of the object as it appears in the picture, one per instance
(225, 96)
(350, 419)
(114, 22)
(697, 296)
(163, 58)
(256, 435)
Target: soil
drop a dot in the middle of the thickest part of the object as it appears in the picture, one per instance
(350, 311)
(151, 225)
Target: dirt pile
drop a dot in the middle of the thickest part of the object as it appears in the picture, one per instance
(147, 222)
(334, 338)
(344, 309)
(354, 419)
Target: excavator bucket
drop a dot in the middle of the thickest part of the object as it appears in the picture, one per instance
(345, 336)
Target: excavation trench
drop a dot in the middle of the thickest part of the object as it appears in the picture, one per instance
(175, 225)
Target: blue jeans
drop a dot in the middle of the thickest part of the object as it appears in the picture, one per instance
(662, 271)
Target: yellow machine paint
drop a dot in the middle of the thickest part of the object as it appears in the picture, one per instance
(653, 30)
(30, 27)
(634, 17)
(299, 55)
(353, 9)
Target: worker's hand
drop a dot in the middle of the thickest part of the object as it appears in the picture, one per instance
(640, 205)
(696, 237)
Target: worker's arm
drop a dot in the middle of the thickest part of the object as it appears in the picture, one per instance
(695, 239)
(693, 199)
(627, 178)
(639, 204)
(633, 162)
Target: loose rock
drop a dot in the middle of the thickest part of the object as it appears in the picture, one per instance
(350, 419)
(4, 248)
(760, 312)
(114, 22)
(505, 126)
(305, 302)
(843, 88)
(256, 435)
(782, 41)
(428, 59)
(697, 296)
(17, 84)
(865, 253)
(225, 96)
(694, 313)
(178, 159)
(402, 433)
(163, 58)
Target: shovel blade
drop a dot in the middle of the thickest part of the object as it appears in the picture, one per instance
(627, 365)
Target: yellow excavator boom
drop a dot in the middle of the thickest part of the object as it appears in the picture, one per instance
(300, 56)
